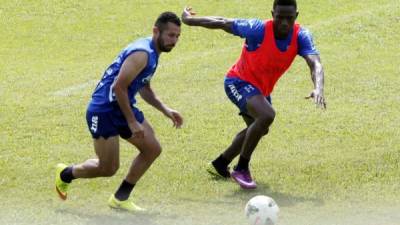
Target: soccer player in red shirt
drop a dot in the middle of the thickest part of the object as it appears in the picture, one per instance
(269, 49)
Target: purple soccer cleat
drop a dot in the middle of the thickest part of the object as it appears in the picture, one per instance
(243, 178)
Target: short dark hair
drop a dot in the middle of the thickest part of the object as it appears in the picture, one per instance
(166, 17)
(285, 2)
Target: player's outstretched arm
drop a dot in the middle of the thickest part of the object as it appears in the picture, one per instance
(210, 22)
(317, 76)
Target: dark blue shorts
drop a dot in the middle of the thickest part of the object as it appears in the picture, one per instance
(238, 91)
(111, 123)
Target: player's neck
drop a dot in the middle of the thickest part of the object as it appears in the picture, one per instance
(279, 35)
(156, 47)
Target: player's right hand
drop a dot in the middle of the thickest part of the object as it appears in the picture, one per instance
(187, 13)
(136, 129)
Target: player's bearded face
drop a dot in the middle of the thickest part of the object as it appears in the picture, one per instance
(168, 37)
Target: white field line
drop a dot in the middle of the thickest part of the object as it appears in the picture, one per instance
(74, 89)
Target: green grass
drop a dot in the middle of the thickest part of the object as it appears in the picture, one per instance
(339, 166)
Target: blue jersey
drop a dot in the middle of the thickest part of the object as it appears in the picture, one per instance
(254, 29)
(103, 98)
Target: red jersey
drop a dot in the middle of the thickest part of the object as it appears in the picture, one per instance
(264, 66)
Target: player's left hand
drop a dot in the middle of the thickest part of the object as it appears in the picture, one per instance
(176, 117)
(318, 96)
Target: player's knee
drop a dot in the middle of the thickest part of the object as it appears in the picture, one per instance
(151, 151)
(108, 171)
(266, 130)
(267, 118)
(156, 151)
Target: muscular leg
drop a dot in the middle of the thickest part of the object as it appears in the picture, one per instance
(149, 148)
(263, 113)
(234, 149)
(221, 162)
(105, 165)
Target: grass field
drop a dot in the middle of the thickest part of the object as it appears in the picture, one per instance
(333, 167)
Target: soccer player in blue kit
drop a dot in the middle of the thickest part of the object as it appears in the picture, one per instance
(269, 49)
(113, 112)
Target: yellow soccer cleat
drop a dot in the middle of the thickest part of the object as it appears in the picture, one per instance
(126, 205)
(61, 186)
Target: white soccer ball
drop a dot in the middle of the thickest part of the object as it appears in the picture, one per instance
(262, 210)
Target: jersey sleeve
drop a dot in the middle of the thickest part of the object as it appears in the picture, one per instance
(248, 28)
(306, 43)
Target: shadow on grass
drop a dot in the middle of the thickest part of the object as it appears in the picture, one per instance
(115, 217)
(284, 200)
(239, 195)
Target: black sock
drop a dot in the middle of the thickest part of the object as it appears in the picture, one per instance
(221, 162)
(124, 190)
(243, 164)
(66, 175)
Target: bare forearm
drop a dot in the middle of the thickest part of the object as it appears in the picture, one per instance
(156, 103)
(150, 97)
(316, 69)
(210, 22)
(317, 76)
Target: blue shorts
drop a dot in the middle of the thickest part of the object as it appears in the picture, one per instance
(238, 91)
(111, 123)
